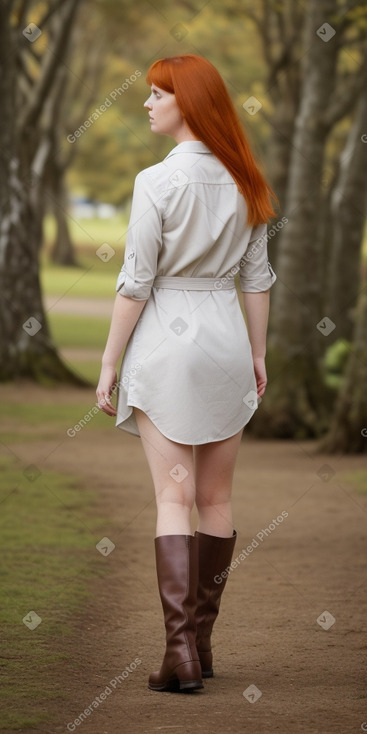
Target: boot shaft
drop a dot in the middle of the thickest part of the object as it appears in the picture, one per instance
(215, 556)
(177, 573)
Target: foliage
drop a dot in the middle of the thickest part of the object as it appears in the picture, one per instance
(335, 361)
(111, 152)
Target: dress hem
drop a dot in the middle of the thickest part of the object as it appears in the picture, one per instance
(184, 443)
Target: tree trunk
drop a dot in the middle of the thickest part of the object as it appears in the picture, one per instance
(325, 240)
(279, 26)
(278, 156)
(63, 252)
(348, 431)
(348, 208)
(26, 348)
(294, 397)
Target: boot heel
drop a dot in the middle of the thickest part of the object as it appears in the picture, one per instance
(206, 662)
(190, 685)
(189, 675)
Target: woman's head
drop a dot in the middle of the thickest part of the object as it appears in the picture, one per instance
(208, 112)
(165, 116)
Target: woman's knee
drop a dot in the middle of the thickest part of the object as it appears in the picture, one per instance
(211, 496)
(184, 496)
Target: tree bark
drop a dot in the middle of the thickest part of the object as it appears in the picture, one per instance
(348, 209)
(62, 252)
(348, 431)
(294, 397)
(26, 348)
(279, 149)
(281, 45)
(279, 27)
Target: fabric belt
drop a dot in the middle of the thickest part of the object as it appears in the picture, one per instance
(193, 284)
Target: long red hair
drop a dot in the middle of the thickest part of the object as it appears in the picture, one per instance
(205, 103)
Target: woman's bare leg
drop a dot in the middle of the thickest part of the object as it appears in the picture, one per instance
(214, 469)
(172, 468)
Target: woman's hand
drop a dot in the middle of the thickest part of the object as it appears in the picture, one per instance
(125, 314)
(107, 381)
(260, 374)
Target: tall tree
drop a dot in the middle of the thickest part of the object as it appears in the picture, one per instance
(279, 24)
(348, 430)
(294, 405)
(28, 95)
(348, 213)
(74, 94)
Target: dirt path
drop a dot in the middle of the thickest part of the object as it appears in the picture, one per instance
(311, 679)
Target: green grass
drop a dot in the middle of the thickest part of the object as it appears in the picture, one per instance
(358, 480)
(92, 232)
(94, 279)
(85, 332)
(80, 332)
(24, 422)
(49, 529)
(88, 370)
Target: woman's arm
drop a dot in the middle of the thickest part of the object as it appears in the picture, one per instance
(126, 312)
(256, 307)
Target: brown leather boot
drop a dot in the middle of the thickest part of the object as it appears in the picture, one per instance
(177, 572)
(215, 555)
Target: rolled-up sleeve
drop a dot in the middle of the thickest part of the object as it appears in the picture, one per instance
(256, 273)
(143, 240)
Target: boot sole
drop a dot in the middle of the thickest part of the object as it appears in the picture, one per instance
(177, 685)
(207, 674)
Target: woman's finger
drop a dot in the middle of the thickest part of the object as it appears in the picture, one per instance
(104, 404)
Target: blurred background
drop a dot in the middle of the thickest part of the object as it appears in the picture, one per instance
(73, 136)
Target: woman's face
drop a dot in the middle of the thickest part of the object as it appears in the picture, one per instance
(164, 114)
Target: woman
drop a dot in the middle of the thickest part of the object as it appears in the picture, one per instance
(192, 371)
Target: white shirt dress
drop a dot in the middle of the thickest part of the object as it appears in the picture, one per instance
(188, 362)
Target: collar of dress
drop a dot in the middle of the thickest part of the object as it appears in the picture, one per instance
(190, 146)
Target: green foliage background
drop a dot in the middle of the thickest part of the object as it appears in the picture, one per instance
(119, 144)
